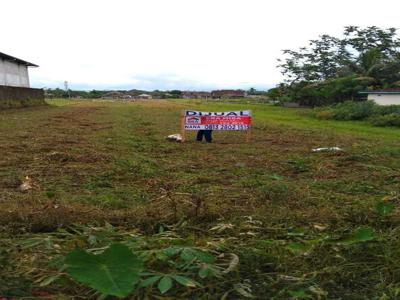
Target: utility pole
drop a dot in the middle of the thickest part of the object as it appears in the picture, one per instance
(67, 89)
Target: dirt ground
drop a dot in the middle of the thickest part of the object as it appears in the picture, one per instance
(74, 153)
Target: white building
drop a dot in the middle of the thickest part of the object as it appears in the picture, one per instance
(144, 96)
(384, 97)
(14, 71)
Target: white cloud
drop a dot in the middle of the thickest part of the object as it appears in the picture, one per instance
(172, 43)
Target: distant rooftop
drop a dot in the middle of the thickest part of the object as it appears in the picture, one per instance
(16, 60)
(393, 91)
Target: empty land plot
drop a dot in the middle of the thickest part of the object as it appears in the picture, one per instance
(281, 208)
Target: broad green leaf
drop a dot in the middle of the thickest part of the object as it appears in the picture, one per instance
(114, 272)
(188, 254)
(150, 281)
(165, 284)
(171, 251)
(362, 234)
(205, 272)
(185, 281)
(205, 257)
(384, 208)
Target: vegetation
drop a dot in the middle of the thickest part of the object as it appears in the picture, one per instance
(5, 104)
(97, 94)
(231, 220)
(58, 93)
(366, 110)
(334, 69)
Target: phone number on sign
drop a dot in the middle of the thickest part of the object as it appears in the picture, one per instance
(226, 127)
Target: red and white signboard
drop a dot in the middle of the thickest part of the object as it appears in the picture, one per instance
(229, 120)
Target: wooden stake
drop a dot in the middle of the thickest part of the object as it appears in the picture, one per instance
(183, 131)
(248, 135)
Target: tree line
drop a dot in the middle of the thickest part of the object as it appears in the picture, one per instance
(95, 94)
(334, 69)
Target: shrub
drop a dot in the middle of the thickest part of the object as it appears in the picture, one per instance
(386, 120)
(350, 110)
(380, 110)
(366, 110)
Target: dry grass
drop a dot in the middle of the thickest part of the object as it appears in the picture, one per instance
(98, 161)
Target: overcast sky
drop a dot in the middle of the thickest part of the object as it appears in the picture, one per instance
(172, 44)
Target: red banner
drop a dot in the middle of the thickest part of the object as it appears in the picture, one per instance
(212, 120)
(233, 120)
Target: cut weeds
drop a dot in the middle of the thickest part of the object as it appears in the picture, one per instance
(286, 223)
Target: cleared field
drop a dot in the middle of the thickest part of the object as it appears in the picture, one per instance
(304, 225)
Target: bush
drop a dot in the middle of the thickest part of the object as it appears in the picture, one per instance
(350, 110)
(380, 110)
(366, 110)
(386, 120)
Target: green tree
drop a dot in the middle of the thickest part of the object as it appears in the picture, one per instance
(176, 93)
(332, 69)
(370, 52)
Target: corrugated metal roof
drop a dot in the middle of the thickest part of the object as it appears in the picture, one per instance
(394, 91)
(380, 93)
(16, 60)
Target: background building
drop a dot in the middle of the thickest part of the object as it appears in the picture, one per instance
(196, 95)
(228, 94)
(15, 89)
(384, 97)
(14, 71)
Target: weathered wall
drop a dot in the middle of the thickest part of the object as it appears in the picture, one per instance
(385, 99)
(13, 74)
(11, 97)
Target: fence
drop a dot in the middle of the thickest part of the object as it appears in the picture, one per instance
(11, 97)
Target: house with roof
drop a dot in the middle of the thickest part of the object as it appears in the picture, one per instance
(113, 95)
(14, 71)
(195, 95)
(144, 97)
(218, 94)
(15, 85)
(384, 97)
